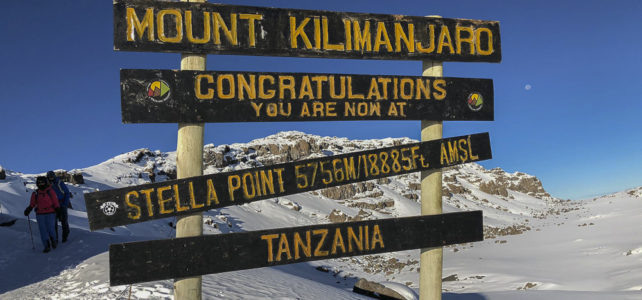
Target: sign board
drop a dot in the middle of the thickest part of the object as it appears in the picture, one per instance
(189, 195)
(170, 96)
(183, 257)
(230, 29)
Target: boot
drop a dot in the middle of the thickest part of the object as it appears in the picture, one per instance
(47, 248)
(54, 243)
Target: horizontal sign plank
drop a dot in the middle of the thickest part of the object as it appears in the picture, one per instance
(188, 195)
(245, 30)
(170, 96)
(184, 257)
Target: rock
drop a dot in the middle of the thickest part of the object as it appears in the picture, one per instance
(341, 192)
(76, 178)
(376, 290)
(3, 174)
(414, 186)
(337, 216)
(494, 188)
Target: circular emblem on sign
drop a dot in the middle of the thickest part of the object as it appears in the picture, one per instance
(109, 208)
(158, 91)
(475, 101)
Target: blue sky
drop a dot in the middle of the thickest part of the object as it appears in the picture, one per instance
(567, 92)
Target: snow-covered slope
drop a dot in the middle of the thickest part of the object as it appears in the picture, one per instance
(535, 245)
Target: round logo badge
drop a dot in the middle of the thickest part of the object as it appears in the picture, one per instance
(109, 208)
(475, 101)
(158, 91)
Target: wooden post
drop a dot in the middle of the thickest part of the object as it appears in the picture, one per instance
(431, 259)
(189, 162)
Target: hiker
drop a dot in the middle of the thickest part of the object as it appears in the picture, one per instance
(45, 201)
(62, 192)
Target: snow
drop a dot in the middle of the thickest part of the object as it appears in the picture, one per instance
(537, 247)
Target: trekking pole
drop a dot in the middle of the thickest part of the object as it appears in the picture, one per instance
(31, 233)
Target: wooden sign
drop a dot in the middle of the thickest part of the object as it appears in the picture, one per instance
(230, 29)
(183, 257)
(169, 96)
(185, 196)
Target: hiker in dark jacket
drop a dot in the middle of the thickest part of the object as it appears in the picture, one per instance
(45, 201)
(62, 192)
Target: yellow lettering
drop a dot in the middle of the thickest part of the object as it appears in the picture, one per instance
(307, 247)
(231, 34)
(338, 241)
(263, 94)
(192, 198)
(373, 91)
(459, 39)
(382, 38)
(129, 203)
(134, 23)
(452, 150)
(305, 111)
(257, 108)
(376, 237)
(431, 38)
(317, 250)
(350, 94)
(362, 39)
(349, 166)
(348, 34)
(246, 192)
(384, 82)
(211, 193)
(470, 150)
(177, 198)
(306, 89)
(289, 86)
(298, 31)
(489, 33)
(231, 187)
(161, 200)
(443, 36)
(160, 25)
(333, 94)
(462, 148)
(269, 238)
(280, 178)
(206, 28)
(409, 39)
(197, 88)
(245, 87)
(402, 86)
(284, 247)
(444, 155)
(251, 31)
(440, 89)
(319, 81)
(353, 237)
(148, 198)
(422, 89)
(326, 39)
(230, 83)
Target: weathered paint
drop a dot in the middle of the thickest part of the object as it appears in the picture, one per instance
(185, 196)
(169, 96)
(183, 257)
(230, 29)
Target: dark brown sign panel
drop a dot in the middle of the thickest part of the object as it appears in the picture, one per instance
(230, 29)
(185, 196)
(184, 257)
(170, 96)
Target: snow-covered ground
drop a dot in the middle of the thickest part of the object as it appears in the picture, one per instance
(535, 247)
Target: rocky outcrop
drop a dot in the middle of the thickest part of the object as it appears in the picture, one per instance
(493, 188)
(376, 290)
(3, 174)
(348, 191)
